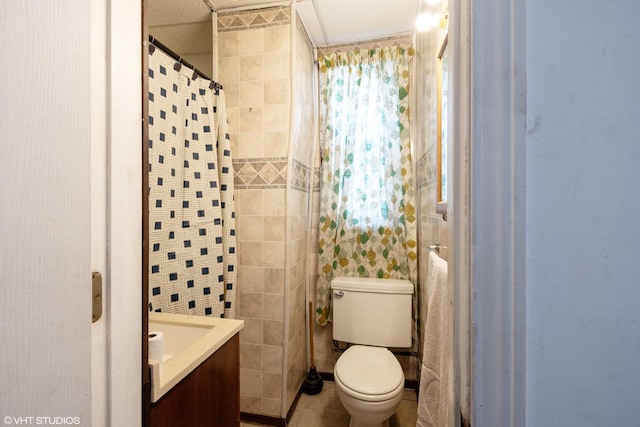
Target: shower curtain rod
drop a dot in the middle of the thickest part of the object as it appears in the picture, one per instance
(156, 43)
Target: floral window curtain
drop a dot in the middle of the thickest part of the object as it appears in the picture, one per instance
(367, 206)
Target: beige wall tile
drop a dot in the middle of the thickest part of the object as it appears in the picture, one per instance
(273, 227)
(228, 44)
(252, 331)
(250, 404)
(274, 202)
(230, 94)
(276, 66)
(273, 254)
(251, 356)
(292, 223)
(251, 67)
(272, 358)
(249, 227)
(250, 118)
(233, 117)
(250, 253)
(250, 279)
(273, 332)
(251, 145)
(273, 306)
(251, 42)
(276, 91)
(277, 39)
(276, 117)
(276, 143)
(251, 94)
(271, 407)
(273, 280)
(235, 145)
(272, 386)
(250, 305)
(249, 202)
(291, 376)
(229, 70)
(251, 382)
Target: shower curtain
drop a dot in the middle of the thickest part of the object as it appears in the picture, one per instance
(192, 242)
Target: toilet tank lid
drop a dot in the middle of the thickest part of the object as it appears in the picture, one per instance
(372, 284)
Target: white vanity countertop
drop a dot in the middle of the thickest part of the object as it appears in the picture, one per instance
(189, 341)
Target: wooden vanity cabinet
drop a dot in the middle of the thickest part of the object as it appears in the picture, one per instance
(208, 397)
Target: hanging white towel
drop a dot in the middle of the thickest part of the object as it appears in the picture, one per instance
(433, 396)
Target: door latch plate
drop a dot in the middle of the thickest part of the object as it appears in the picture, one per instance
(96, 296)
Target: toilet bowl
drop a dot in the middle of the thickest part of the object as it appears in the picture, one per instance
(370, 383)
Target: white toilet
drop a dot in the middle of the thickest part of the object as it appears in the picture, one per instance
(373, 314)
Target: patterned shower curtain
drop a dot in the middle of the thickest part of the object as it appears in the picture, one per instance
(367, 206)
(192, 242)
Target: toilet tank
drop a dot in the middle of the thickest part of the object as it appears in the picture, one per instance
(372, 311)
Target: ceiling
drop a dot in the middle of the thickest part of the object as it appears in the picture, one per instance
(328, 22)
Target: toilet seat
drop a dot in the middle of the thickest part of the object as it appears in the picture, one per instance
(369, 373)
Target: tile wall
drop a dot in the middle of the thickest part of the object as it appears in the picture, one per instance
(258, 51)
(304, 128)
(254, 66)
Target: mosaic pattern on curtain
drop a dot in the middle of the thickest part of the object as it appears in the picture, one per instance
(192, 241)
(367, 204)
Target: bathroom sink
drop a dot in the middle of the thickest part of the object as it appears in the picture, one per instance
(188, 341)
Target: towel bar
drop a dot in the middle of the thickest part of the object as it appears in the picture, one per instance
(436, 247)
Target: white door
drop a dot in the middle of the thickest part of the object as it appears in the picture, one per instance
(45, 356)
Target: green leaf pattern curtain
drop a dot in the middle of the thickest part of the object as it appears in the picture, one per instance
(367, 205)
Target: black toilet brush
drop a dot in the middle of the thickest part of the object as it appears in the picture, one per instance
(313, 383)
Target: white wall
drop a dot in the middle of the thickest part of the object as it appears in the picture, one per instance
(583, 199)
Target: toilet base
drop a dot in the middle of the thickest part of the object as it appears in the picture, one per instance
(354, 423)
(368, 414)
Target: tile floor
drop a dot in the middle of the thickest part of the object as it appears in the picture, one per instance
(325, 410)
